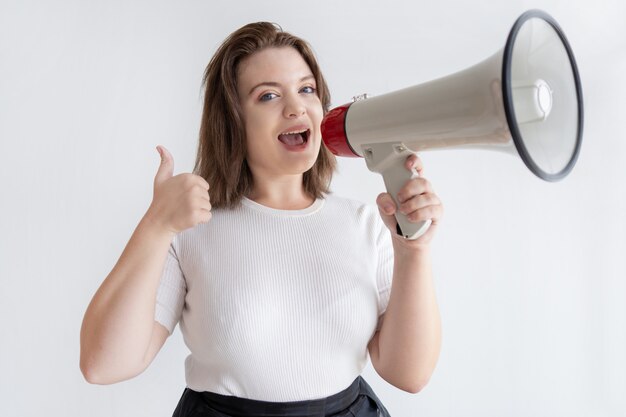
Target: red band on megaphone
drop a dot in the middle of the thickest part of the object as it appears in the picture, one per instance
(334, 132)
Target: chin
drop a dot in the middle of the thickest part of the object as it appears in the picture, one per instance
(301, 169)
(306, 160)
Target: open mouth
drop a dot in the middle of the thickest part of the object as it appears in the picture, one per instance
(298, 138)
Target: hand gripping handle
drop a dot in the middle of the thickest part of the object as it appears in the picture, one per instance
(388, 159)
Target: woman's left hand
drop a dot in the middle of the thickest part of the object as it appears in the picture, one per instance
(417, 201)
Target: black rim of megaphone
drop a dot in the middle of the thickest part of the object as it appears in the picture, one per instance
(508, 95)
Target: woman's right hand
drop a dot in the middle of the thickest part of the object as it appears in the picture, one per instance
(179, 202)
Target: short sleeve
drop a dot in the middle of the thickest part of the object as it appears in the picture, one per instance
(171, 292)
(384, 268)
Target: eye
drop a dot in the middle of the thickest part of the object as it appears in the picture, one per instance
(308, 90)
(267, 96)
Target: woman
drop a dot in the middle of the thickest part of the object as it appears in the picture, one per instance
(280, 288)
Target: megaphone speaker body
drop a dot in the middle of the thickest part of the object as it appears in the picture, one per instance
(525, 100)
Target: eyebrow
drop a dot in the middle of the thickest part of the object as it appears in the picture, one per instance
(275, 84)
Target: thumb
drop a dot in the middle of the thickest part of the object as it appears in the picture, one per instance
(166, 169)
(387, 209)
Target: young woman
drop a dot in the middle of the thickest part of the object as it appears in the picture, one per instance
(280, 287)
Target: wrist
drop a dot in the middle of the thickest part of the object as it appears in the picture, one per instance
(410, 248)
(153, 223)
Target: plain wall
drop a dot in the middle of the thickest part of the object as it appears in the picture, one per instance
(530, 275)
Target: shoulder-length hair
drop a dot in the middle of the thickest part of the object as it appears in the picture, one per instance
(221, 156)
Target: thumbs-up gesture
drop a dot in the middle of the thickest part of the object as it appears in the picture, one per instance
(179, 202)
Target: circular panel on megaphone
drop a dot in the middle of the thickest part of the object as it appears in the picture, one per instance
(542, 95)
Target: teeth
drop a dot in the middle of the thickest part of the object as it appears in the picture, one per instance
(293, 133)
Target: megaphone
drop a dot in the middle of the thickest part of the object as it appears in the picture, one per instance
(525, 100)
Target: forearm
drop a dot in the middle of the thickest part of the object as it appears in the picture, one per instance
(118, 323)
(410, 337)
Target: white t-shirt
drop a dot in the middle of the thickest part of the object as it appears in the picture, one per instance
(278, 305)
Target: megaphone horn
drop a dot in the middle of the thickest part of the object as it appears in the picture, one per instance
(526, 100)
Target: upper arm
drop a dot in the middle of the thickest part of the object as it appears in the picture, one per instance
(157, 340)
(372, 348)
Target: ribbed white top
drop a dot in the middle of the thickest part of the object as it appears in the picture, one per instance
(278, 305)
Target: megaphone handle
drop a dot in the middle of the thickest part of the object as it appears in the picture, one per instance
(395, 176)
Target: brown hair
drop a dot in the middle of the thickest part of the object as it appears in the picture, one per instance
(221, 157)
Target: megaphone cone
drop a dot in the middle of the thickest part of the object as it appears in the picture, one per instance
(525, 100)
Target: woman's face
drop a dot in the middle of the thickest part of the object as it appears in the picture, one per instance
(282, 112)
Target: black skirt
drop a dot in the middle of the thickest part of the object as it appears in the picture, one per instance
(357, 400)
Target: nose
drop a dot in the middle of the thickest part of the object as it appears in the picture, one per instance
(294, 107)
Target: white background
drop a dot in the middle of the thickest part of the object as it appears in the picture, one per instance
(530, 275)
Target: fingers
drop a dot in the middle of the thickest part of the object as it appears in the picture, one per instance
(413, 187)
(386, 204)
(419, 201)
(205, 201)
(200, 182)
(198, 204)
(387, 208)
(166, 168)
(180, 201)
(413, 161)
(416, 200)
(205, 215)
(424, 207)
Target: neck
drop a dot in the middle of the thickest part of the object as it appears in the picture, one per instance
(286, 193)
